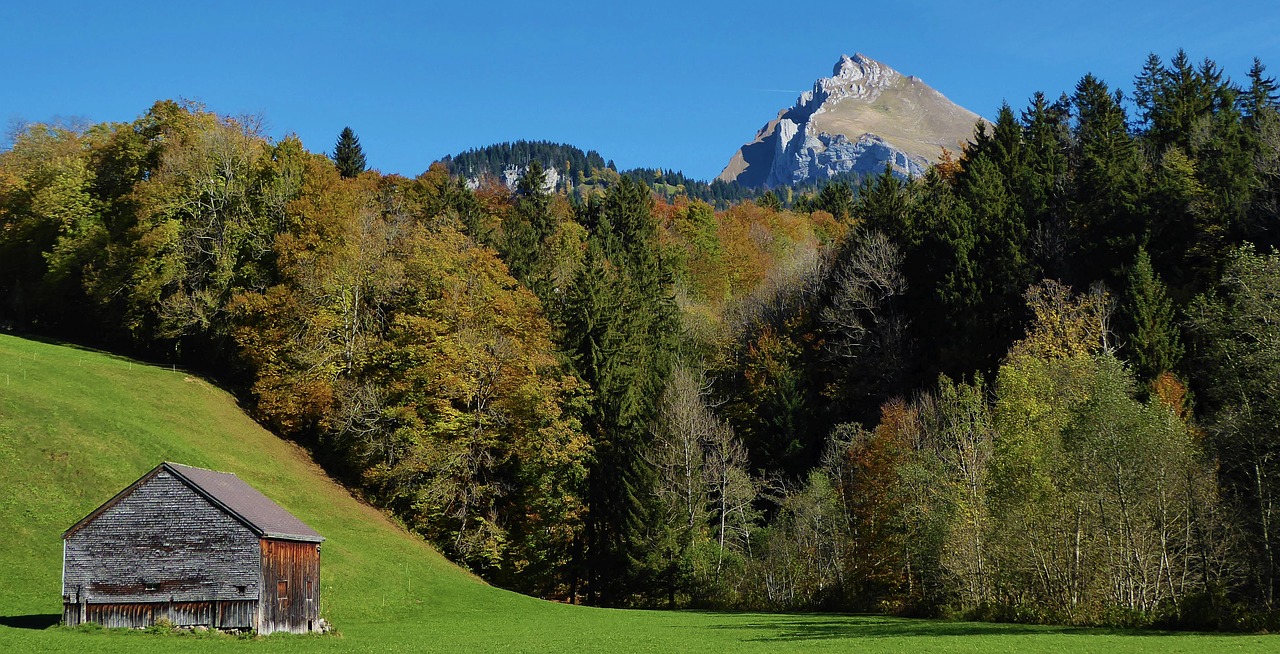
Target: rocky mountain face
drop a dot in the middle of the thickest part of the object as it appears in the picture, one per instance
(864, 115)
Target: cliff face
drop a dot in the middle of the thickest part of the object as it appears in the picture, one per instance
(864, 115)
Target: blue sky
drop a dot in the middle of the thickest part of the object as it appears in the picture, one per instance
(662, 84)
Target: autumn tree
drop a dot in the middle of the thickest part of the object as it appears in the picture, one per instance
(1108, 494)
(864, 319)
(421, 371)
(50, 223)
(703, 511)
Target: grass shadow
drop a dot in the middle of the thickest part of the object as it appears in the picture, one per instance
(138, 358)
(816, 627)
(33, 621)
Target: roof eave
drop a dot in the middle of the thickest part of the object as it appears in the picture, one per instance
(294, 537)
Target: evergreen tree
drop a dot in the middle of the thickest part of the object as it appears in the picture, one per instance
(347, 154)
(1043, 192)
(1006, 146)
(1155, 346)
(770, 201)
(1149, 88)
(1262, 95)
(526, 229)
(883, 203)
(984, 297)
(1107, 189)
(836, 198)
(941, 269)
(621, 333)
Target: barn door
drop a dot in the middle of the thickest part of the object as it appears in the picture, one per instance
(288, 573)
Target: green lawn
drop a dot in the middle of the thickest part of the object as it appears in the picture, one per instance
(76, 426)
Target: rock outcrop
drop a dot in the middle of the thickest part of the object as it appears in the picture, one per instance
(864, 116)
(511, 178)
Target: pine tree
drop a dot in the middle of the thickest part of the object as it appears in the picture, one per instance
(1006, 146)
(985, 301)
(526, 229)
(769, 201)
(1149, 89)
(836, 198)
(347, 154)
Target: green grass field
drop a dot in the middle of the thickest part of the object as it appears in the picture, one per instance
(76, 426)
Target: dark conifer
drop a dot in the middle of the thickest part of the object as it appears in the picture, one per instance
(1108, 183)
(524, 244)
(1044, 191)
(348, 155)
(1262, 94)
(882, 205)
(1149, 89)
(836, 198)
(1155, 346)
(769, 201)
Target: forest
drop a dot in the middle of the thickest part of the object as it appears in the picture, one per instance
(1039, 383)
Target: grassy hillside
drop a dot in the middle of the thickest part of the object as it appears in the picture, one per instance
(76, 426)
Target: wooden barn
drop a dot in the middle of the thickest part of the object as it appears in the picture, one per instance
(196, 547)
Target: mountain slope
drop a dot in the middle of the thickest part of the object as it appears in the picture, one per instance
(76, 426)
(864, 115)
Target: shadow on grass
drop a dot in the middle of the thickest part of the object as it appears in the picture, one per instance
(138, 358)
(34, 621)
(796, 628)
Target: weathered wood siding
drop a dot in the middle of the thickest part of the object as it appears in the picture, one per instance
(290, 586)
(216, 615)
(162, 543)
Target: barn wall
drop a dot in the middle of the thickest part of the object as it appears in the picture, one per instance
(162, 543)
(233, 614)
(290, 586)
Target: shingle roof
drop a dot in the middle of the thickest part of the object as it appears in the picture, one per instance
(232, 494)
(245, 502)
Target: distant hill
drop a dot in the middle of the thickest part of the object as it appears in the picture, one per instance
(579, 173)
(864, 116)
(508, 161)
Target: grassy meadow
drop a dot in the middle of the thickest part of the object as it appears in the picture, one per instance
(76, 426)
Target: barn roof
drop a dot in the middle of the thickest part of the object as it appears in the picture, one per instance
(229, 492)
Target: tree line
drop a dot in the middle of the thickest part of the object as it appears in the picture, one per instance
(1035, 384)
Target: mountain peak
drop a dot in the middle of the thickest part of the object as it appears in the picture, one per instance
(864, 116)
(856, 76)
(858, 66)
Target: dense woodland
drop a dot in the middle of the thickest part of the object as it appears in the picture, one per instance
(1039, 383)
